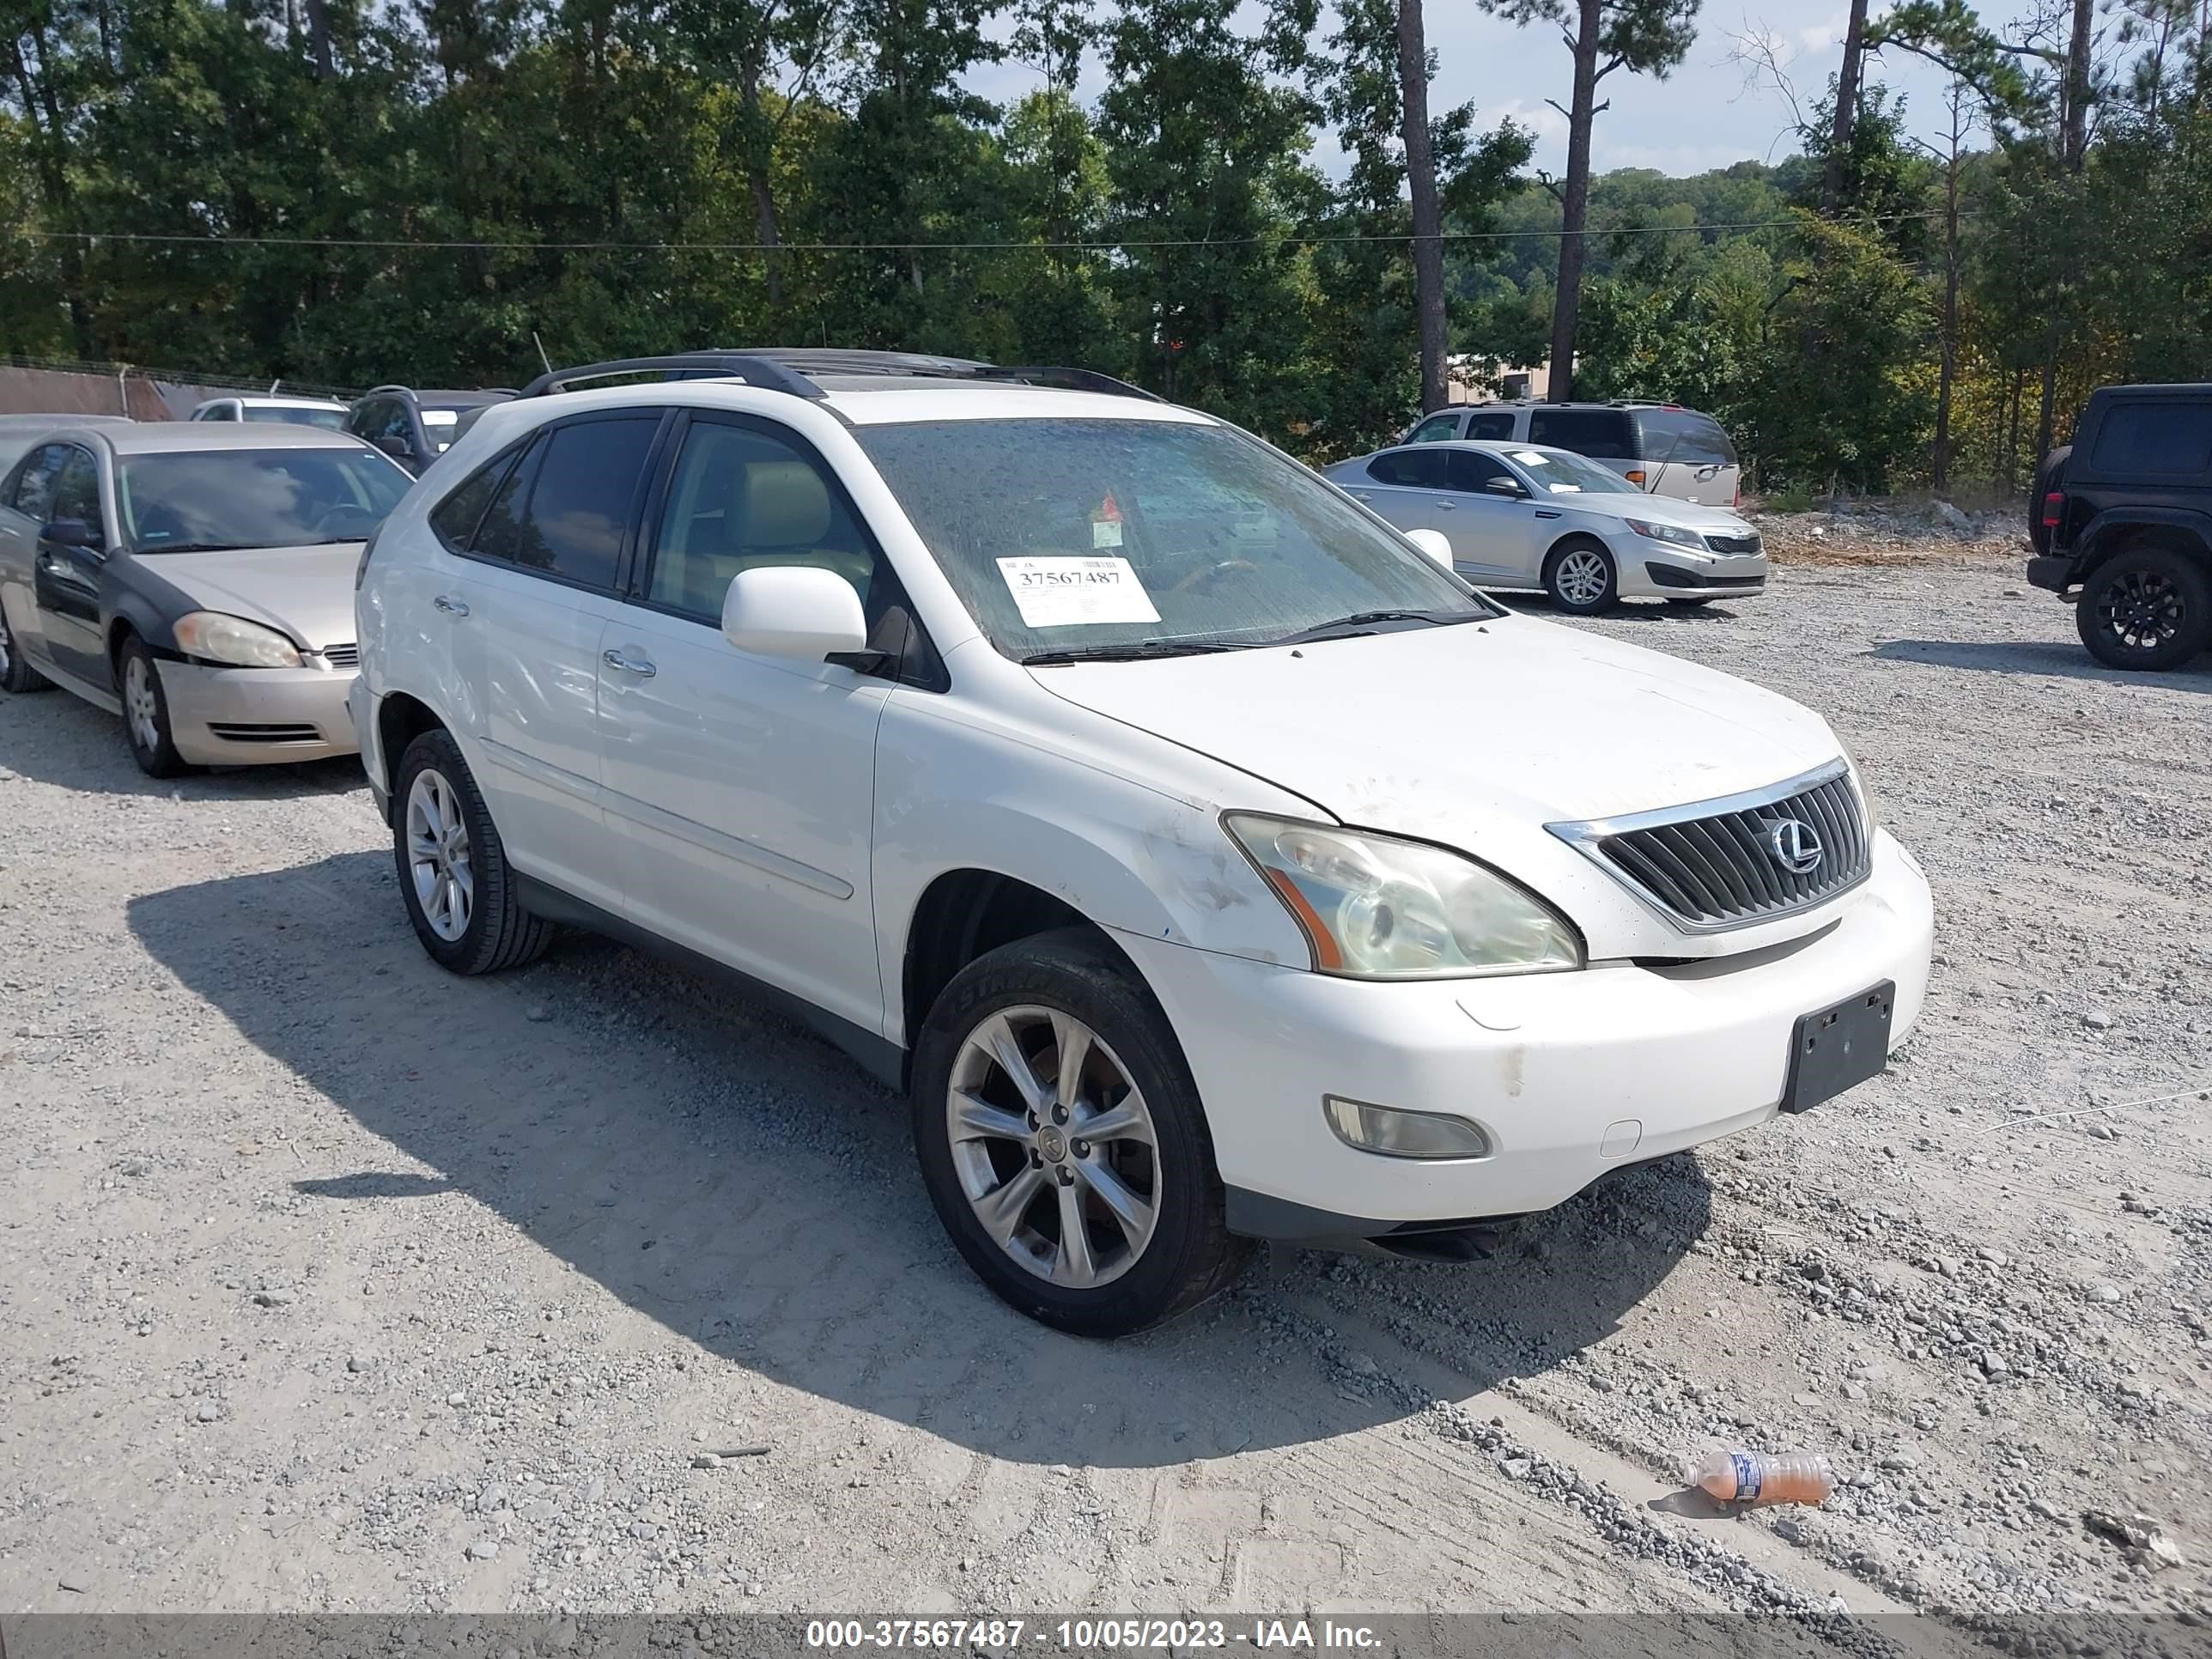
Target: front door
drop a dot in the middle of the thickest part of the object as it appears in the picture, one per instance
(1493, 536)
(741, 789)
(534, 591)
(65, 573)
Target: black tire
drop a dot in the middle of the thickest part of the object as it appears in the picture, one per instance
(2147, 609)
(498, 932)
(16, 673)
(146, 729)
(1189, 1254)
(1581, 601)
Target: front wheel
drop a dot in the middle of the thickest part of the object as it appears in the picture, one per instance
(1062, 1142)
(146, 713)
(453, 874)
(2149, 608)
(1580, 578)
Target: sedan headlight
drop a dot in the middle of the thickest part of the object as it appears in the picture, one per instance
(1673, 534)
(1373, 907)
(215, 637)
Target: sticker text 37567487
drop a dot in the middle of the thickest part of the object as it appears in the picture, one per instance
(1071, 592)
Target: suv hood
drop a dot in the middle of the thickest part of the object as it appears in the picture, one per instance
(303, 592)
(1442, 733)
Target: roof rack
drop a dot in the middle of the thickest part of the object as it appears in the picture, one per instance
(798, 370)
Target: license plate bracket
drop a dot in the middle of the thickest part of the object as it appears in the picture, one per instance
(1839, 1047)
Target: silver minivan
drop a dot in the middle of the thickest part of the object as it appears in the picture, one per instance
(1662, 449)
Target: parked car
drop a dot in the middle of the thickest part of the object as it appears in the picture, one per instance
(2122, 524)
(1204, 861)
(1525, 516)
(192, 578)
(416, 428)
(18, 432)
(289, 411)
(1660, 448)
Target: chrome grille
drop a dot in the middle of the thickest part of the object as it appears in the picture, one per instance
(342, 656)
(1715, 864)
(1733, 544)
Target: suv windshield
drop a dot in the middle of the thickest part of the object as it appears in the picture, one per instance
(1102, 536)
(1556, 472)
(200, 500)
(331, 420)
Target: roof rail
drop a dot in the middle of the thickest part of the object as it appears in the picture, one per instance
(1069, 380)
(753, 368)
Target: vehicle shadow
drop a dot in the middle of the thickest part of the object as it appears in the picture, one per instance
(55, 738)
(1634, 610)
(728, 1175)
(2049, 657)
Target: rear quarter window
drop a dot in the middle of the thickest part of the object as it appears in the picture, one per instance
(1603, 435)
(2161, 438)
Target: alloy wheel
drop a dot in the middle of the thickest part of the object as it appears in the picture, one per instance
(2141, 609)
(1054, 1146)
(438, 854)
(141, 706)
(1582, 576)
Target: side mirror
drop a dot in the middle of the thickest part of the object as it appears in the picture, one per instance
(70, 532)
(794, 611)
(1434, 544)
(1504, 487)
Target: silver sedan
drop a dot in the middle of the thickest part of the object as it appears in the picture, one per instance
(1528, 516)
(195, 579)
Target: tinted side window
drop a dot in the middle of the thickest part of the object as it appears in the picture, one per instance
(359, 418)
(34, 487)
(1469, 469)
(76, 490)
(2165, 438)
(1491, 428)
(580, 507)
(1435, 429)
(456, 517)
(742, 499)
(1414, 469)
(502, 534)
(1603, 435)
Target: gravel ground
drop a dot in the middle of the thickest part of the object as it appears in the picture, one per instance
(328, 1282)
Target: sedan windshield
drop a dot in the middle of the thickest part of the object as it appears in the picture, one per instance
(201, 501)
(1556, 472)
(331, 420)
(1117, 538)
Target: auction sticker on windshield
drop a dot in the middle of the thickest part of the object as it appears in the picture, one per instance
(1070, 592)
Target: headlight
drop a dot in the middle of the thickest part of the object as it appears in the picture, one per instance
(217, 638)
(1673, 534)
(1866, 795)
(1373, 907)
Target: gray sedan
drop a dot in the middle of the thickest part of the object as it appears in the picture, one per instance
(1525, 515)
(196, 579)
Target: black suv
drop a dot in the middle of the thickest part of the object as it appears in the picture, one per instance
(416, 428)
(2125, 514)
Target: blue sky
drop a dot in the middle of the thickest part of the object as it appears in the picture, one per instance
(1702, 116)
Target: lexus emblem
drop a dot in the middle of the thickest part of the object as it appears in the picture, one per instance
(1796, 847)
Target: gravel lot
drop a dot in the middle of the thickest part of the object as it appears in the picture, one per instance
(330, 1282)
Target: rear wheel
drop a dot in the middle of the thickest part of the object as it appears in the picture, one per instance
(146, 711)
(16, 673)
(1062, 1142)
(2149, 608)
(453, 875)
(1580, 577)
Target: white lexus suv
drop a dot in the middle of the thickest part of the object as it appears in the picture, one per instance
(1204, 861)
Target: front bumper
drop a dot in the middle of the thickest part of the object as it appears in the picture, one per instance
(1570, 1075)
(1649, 569)
(257, 716)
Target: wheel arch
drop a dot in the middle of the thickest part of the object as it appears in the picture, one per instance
(2114, 533)
(400, 719)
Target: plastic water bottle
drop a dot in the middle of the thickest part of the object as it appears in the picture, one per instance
(1757, 1479)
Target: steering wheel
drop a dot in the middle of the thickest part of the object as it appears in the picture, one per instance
(1226, 567)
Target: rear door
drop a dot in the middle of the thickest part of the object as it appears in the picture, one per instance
(534, 593)
(1490, 426)
(1687, 456)
(1402, 484)
(1606, 435)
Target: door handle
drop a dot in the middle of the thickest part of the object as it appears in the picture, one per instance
(451, 607)
(1361, 496)
(637, 666)
(1446, 507)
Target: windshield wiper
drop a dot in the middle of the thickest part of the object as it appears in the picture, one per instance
(192, 547)
(1134, 652)
(1362, 622)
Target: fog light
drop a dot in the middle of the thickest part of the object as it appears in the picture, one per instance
(1394, 1134)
